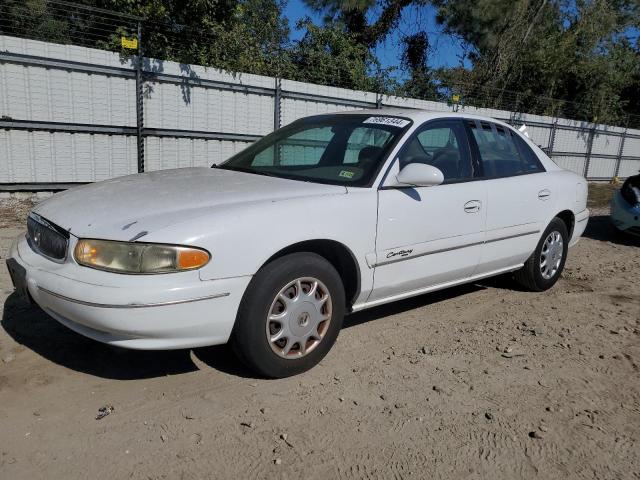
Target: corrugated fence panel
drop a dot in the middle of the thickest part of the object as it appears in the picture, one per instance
(62, 52)
(165, 153)
(571, 141)
(631, 147)
(64, 157)
(606, 143)
(198, 99)
(489, 112)
(55, 95)
(402, 102)
(198, 72)
(174, 106)
(328, 91)
(628, 168)
(295, 109)
(575, 164)
(601, 167)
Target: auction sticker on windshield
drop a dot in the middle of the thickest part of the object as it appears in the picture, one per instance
(393, 121)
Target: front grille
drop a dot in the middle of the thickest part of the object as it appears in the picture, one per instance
(47, 238)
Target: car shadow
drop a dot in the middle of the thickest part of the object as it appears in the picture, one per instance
(32, 327)
(401, 306)
(600, 228)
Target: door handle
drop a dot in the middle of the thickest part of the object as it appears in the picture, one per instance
(472, 206)
(544, 194)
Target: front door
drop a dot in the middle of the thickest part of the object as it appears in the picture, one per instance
(430, 236)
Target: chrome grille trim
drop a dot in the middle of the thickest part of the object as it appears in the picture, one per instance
(47, 239)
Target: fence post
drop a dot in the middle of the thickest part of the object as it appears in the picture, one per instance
(592, 134)
(139, 103)
(620, 151)
(277, 99)
(552, 138)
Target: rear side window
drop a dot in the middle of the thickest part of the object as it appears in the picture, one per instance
(503, 154)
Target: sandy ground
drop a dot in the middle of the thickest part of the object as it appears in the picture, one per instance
(481, 381)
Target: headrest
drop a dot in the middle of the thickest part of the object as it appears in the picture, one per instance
(369, 153)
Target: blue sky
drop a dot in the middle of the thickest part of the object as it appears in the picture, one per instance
(445, 50)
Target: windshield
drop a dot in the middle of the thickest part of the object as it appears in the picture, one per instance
(334, 149)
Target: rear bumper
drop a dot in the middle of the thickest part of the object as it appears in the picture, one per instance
(581, 220)
(141, 312)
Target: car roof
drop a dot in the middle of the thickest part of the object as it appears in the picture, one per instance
(417, 115)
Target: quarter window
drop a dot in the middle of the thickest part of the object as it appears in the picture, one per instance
(503, 153)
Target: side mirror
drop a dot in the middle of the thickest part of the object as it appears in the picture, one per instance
(420, 175)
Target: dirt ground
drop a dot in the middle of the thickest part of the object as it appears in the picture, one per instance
(480, 381)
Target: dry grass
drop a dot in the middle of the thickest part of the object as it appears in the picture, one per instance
(600, 194)
(13, 211)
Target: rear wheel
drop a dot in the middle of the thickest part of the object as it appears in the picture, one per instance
(543, 268)
(290, 315)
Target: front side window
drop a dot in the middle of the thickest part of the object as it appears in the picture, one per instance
(334, 149)
(503, 153)
(443, 146)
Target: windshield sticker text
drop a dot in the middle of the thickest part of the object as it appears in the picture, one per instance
(345, 174)
(392, 121)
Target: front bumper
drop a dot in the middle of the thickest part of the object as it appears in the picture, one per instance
(148, 312)
(625, 217)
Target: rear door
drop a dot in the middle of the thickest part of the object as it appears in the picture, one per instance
(519, 195)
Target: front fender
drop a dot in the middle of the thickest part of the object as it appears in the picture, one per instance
(241, 238)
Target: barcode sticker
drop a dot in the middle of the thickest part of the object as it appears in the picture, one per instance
(393, 121)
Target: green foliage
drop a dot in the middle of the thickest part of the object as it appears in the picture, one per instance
(577, 51)
(421, 81)
(329, 56)
(240, 36)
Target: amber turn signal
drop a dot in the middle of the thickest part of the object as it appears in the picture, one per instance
(190, 258)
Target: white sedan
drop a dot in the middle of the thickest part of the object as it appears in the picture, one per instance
(328, 215)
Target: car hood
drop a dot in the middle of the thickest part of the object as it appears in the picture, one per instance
(128, 207)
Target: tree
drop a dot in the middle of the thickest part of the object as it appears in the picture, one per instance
(355, 16)
(577, 51)
(236, 35)
(421, 81)
(329, 56)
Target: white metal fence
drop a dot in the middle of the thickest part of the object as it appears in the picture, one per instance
(68, 114)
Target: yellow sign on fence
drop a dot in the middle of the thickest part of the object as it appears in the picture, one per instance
(131, 43)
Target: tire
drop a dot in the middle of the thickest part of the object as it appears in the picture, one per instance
(293, 315)
(536, 278)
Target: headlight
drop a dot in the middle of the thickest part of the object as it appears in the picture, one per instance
(126, 257)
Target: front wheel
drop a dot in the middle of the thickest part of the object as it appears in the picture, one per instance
(290, 315)
(543, 268)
